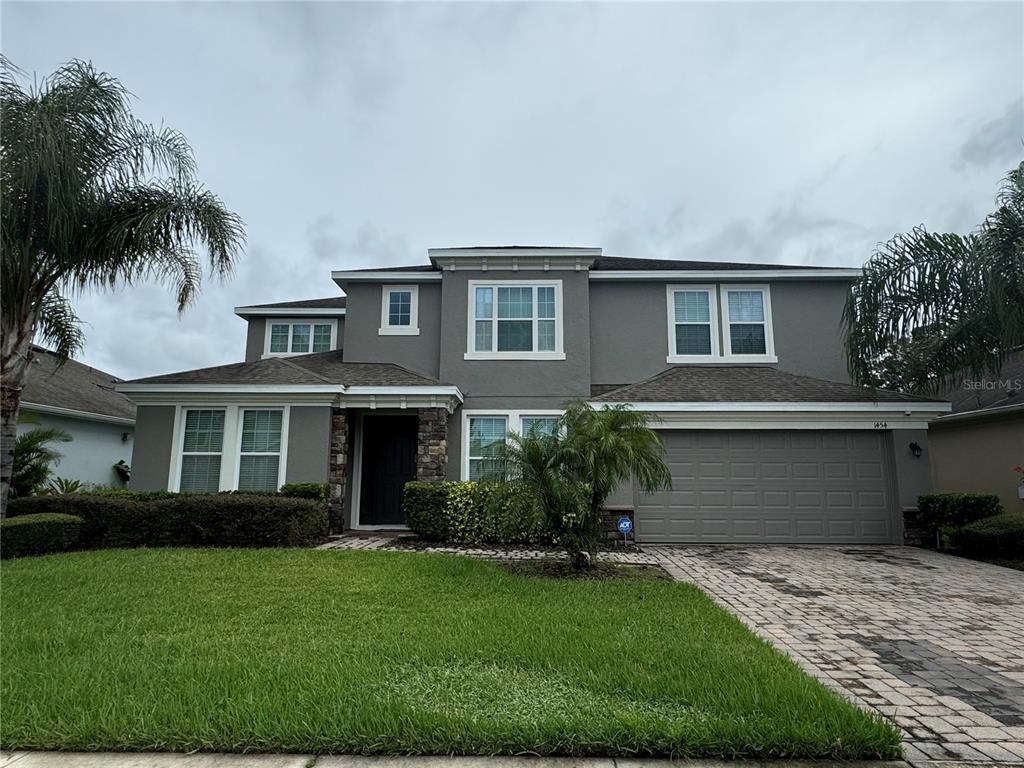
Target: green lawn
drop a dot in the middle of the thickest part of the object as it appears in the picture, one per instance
(320, 651)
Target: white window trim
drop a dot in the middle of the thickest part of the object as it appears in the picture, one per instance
(282, 454)
(471, 354)
(386, 329)
(229, 461)
(291, 322)
(514, 424)
(769, 336)
(670, 307)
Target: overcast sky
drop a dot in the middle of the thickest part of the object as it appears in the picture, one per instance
(352, 135)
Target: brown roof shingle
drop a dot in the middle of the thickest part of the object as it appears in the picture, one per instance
(746, 384)
(317, 368)
(73, 385)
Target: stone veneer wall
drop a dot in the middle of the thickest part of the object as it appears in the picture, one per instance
(337, 469)
(432, 444)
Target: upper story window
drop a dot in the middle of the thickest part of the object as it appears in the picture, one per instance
(693, 323)
(515, 320)
(746, 323)
(696, 325)
(300, 337)
(399, 311)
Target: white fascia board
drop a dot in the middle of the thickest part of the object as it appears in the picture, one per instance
(227, 389)
(744, 275)
(411, 390)
(290, 312)
(776, 407)
(378, 276)
(71, 413)
(506, 253)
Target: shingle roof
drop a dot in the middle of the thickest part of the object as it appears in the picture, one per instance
(745, 384)
(318, 368)
(991, 391)
(74, 386)
(331, 302)
(621, 263)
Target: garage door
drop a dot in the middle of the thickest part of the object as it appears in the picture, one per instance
(772, 486)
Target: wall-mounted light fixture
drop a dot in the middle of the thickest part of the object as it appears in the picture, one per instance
(916, 450)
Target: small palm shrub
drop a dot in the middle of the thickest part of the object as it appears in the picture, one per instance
(34, 458)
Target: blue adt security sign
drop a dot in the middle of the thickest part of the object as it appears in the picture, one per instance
(625, 525)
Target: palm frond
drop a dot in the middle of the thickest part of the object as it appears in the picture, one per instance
(59, 327)
(943, 304)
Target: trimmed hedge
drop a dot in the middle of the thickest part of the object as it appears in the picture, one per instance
(945, 510)
(997, 536)
(187, 520)
(474, 513)
(39, 534)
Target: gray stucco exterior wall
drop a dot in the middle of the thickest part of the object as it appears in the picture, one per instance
(807, 316)
(535, 379)
(309, 437)
(913, 476)
(629, 329)
(254, 338)
(255, 334)
(151, 455)
(365, 344)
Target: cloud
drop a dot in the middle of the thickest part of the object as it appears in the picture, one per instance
(998, 142)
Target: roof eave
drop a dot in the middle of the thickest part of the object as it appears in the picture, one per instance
(245, 312)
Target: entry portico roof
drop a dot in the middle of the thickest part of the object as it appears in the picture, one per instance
(323, 375)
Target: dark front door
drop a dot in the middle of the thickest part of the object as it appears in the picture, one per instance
(389, 462)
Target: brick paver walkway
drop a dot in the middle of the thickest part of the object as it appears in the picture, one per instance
(934, 642)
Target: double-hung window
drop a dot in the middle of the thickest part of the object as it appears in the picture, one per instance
(486, 433)
(746, 322)
(259, 453)
(299, 337)
(399, 312)
(202, 448)
(235, 447)
(693, 323)
(515, 320)
(727, 323)
(486, 443)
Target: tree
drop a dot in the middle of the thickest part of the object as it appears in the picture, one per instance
(576, 469)
(91, 198)
(932, 306)
(34, 459)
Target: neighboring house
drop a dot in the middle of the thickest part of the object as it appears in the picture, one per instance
(432, 365)
(82, 402)
(976, 447)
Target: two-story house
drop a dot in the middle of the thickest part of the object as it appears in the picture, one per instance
(421, 372)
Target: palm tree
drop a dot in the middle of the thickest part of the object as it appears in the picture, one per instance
(576, 469)
(91, 198)
(931, 306)
(34, 458)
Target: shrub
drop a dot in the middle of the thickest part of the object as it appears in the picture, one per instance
(471, 513)
(207, 520)
(38, 534)
(996, 536)
(424, 507)
(315, 491)
(945, 510)
(124, 493)
(239, 520)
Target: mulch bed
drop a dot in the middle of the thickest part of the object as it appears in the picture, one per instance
(560, 569)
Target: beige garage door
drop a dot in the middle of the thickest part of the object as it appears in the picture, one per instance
(772, 486)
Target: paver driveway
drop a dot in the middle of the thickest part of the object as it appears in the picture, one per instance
(933, 641)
